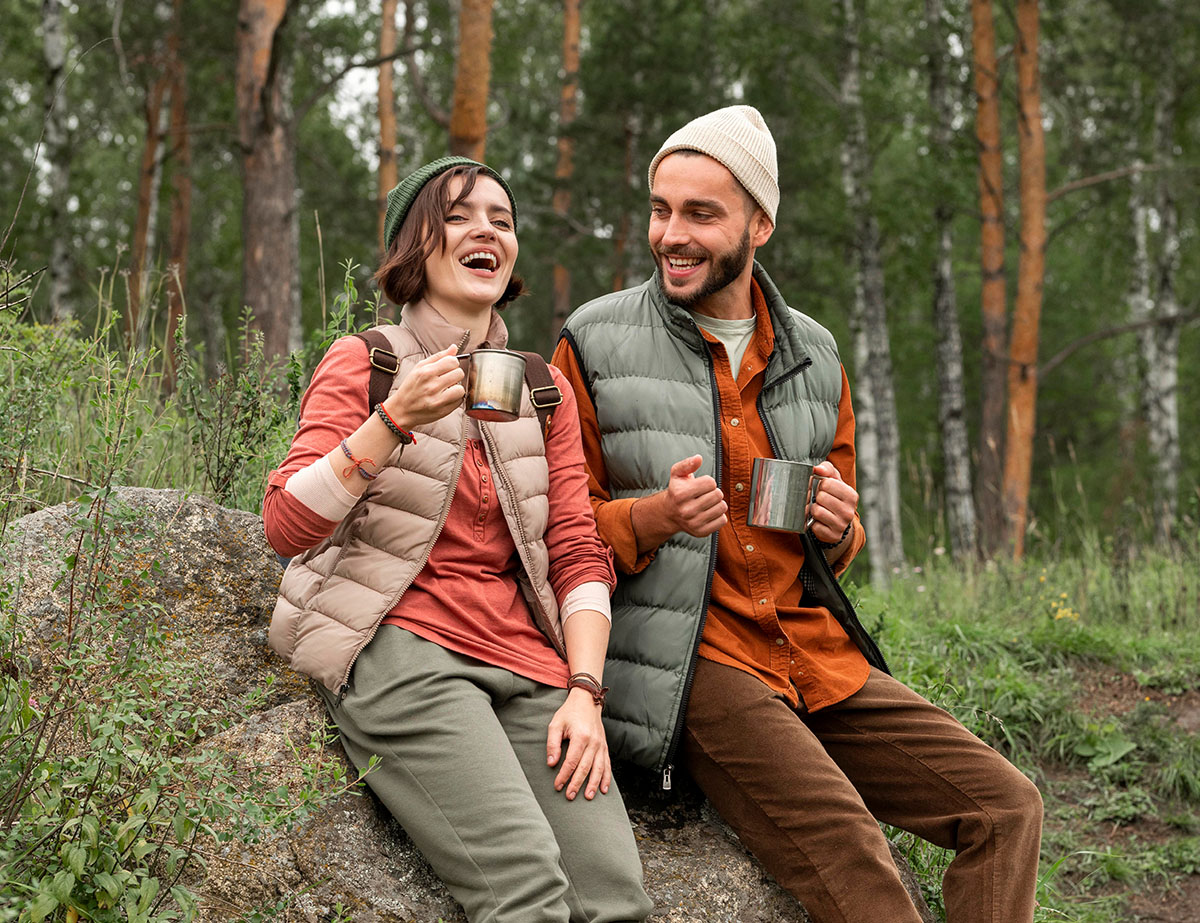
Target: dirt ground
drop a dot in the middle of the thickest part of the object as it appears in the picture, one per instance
(1109, 692)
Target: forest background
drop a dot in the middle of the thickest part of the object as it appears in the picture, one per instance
(993, 207)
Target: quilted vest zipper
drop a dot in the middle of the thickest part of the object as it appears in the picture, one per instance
(673, 746)
(523, 548)
(458, 463)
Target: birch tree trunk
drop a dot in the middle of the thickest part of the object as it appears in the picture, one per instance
(58, 157)
(876, 435)
(1023, 348)
(181, 198)
(270, 284)
(472, 76)
(565, 168)
(952, 424)
(993, 297)
(388, 175)
(624, 225)
(1162, 375)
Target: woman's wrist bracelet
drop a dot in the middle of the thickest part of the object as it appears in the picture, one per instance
(589, 684)
(404, 435)
(356, 464)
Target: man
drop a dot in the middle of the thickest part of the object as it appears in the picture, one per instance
(733, 651)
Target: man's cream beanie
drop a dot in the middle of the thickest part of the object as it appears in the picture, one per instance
(738, 138)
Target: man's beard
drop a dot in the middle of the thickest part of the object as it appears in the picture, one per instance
(723, 270)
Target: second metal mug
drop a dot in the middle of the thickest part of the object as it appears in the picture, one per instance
(494, 380)
(780, 492)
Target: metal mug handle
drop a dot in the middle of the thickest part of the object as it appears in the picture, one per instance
(813, 486)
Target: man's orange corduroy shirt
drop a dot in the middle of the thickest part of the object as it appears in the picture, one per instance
(755, 621)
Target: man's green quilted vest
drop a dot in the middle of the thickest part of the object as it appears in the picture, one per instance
(649, 373)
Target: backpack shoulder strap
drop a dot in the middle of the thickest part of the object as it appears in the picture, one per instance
(543, 392)
(384, 364)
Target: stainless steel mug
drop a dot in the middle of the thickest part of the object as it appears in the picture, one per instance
(780, 492)
(494, 379)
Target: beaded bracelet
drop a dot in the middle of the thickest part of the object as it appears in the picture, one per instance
(588, 683)
(825, 546)
(356, 464)
(405, 436)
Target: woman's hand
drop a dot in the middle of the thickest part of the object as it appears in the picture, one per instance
(586, 759)
(431, 389)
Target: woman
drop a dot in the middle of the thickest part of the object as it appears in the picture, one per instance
(449, 592)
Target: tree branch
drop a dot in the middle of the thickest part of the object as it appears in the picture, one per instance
(1071, 348)
(330, 82)
(1101, 178)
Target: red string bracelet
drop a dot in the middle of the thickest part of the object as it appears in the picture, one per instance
(356, 464)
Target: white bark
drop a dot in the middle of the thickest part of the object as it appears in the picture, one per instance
(877, 434)
(952, 423)
(1162, 376)
(58, 157)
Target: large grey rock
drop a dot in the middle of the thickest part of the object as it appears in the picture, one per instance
(215, 581)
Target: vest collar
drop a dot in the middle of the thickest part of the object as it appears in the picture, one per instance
(789, 352)
(435, 333)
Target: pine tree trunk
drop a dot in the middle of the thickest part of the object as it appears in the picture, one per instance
(181, 198)
(388, 175)
(468, 117)
(877, 434)
(58, 157)
(157, 113)
(565, 169)
(269, 221)
(1162, 377)
(1027, 309)
(993, 297)
(952, 424)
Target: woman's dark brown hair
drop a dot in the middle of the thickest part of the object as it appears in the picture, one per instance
(401, 276)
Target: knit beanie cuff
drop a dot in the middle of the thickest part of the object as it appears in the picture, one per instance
(738, 138)
(400, 199)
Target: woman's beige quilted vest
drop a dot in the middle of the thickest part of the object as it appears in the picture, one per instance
(334, 596)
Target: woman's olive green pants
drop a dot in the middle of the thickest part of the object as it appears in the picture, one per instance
(462, 767)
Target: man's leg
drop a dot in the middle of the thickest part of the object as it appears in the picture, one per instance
(769, 776)
(599, 853)
(449, 776)
(919, 769)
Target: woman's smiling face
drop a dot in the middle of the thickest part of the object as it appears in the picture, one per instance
(471, 270)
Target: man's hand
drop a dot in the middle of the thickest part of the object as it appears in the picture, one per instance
(690, 504)
(695, 505)
(833, 507)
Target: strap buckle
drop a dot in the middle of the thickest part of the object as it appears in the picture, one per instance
(395, 366)
(540, 404)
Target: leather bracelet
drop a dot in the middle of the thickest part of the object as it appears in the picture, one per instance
(590, 684)
(825, 546)
(404, 435)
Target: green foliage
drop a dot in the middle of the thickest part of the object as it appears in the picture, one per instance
(238, 426)
(109, 794)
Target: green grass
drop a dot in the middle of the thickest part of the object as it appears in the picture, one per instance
(1010, 649)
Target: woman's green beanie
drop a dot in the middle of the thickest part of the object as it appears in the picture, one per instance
(401, 198)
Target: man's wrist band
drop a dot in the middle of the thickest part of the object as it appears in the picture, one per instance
(404, 435)
(588, 683)
(825, 546)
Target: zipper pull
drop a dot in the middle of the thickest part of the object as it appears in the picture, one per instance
(341, 694)
(666, 777)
